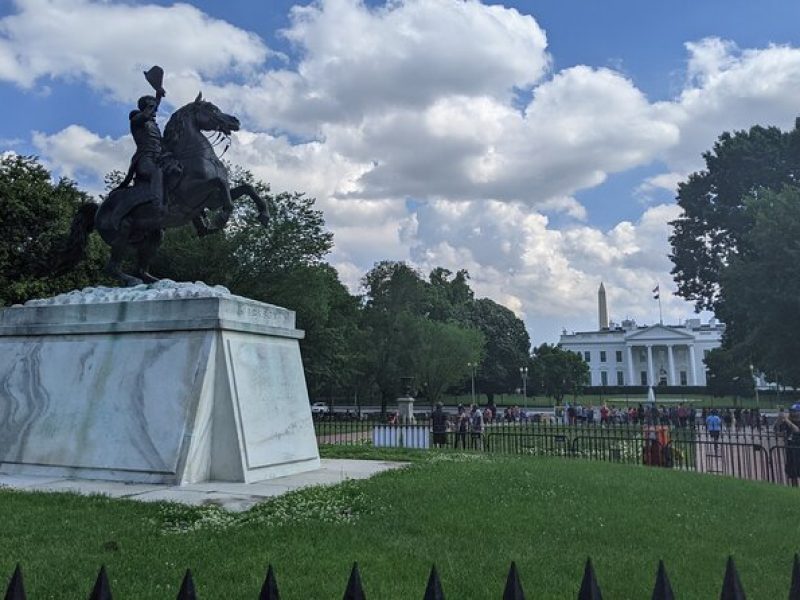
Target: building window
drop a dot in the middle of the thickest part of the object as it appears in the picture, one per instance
(684, 379)
(620, 379)
(644, 377)
(603, 378)
(619, 355)
(587, 356)
(602, 356)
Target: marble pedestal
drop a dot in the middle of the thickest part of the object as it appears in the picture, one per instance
(171, 383)
(405, 411)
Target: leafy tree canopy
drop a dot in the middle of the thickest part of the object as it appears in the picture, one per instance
(440, 353)
(728, 375)
(760, 289)
(557, 372)
(714, 221)
(35, 214)
(507, 346)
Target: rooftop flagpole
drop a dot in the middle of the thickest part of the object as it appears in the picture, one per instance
(657, 296)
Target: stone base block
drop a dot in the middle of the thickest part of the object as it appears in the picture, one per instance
(156, 388)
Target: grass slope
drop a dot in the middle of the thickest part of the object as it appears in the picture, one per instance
(470, 514)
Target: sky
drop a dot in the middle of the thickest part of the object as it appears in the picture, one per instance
(536, 144)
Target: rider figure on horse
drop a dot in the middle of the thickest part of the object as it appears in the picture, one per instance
(146, 162)
(150, 161)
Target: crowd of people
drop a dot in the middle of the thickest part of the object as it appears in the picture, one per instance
(679, 415)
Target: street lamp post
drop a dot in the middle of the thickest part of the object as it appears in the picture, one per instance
(472, 366)
(755, 387)
(523, 372)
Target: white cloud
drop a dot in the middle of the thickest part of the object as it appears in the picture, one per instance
(108, 44)
(79, 153)
(413, 140)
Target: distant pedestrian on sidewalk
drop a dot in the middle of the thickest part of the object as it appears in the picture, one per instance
(462, 426)
(789, 425)
(439, 423)
(476, 425)
(714, 426)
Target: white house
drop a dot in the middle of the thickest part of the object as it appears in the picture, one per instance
(631, 354)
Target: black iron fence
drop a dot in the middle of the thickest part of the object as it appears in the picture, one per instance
(731, 589)
(747, 450)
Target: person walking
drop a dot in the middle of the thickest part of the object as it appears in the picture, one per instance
(714, 426)
(789, 425)
(462, 426)
(439, 426)
(476, 427)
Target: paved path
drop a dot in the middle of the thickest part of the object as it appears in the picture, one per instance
(231, 496)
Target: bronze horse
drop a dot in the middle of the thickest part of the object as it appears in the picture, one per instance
(127, 217)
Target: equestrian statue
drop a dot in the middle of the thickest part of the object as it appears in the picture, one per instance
(177, 179)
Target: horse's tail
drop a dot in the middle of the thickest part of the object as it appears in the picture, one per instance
(73, 249)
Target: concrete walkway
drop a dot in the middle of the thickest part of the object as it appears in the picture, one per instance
(230, 496)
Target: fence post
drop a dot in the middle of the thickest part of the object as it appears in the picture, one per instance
(433, 591)
(662, 589)
(513, 589)
(16, 589)
(589, 588)
(187, 587)
(794, 589)
(101, 589)
(269, 591)
(354, 589)
(731, 586)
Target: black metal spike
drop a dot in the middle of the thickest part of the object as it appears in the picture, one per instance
(731, 586)
(354, 589)
(433, 591)
(269, 591)
(101, 589)
(513, 589)
(16, 589)
(187, 587)
(794, 590)
(662, 589)
(589, 588)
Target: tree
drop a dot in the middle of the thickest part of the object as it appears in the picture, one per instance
(728, 375)
(507, 345)
(439, 353)
(760, 289)
(714, 220)
(557, 372)
(332, 349)
(448, 294)
(35, 215)
(394, 291)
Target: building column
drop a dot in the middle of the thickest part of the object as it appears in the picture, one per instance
(650, 368)
(692, 365)
(631, 375)
(671, 361)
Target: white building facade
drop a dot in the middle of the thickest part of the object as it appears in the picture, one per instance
(635, 355)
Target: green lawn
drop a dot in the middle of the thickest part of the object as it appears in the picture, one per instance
(471, 514)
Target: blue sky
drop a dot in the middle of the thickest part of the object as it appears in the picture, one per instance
(537, 144)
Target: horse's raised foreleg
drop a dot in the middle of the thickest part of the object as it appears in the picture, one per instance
(226, 209)
(248, 190)
(145, 252)
(201, 226)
